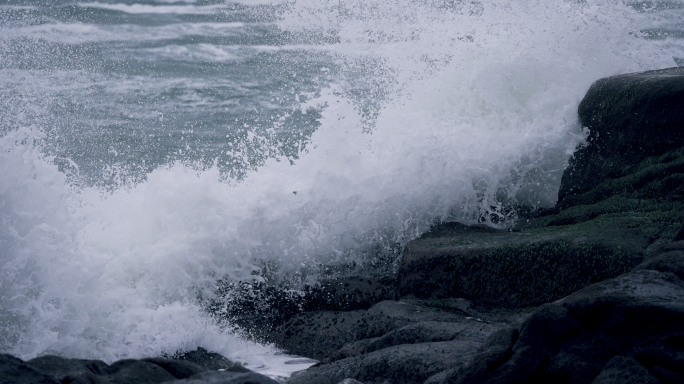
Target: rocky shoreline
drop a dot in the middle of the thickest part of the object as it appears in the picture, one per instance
(591, 291)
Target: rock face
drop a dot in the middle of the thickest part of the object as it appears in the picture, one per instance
(335, 335)
(195, 367)
(402, 342)
(259, 309)
(627, 327)
(520, 269)
(621, 200)
(630, 117)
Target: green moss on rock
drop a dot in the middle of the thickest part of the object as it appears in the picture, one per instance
(518, 276)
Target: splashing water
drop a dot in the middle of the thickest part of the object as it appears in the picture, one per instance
(155, 147)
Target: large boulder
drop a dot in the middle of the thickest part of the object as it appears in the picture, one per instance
(621, 199)
(630, 326)
(630, 117)
(504, 269)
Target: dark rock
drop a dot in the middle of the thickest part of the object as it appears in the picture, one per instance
(621, 199)
(423, 332)
(630, 117)
(349, 381)
(205, 359)
(494, 352)
(320, 335)
(672, 261)
(518, 269)
(180, 369)
(638, 315)
(624, 370)
(70, 370)
(136, 371)
(256, 308)
(665, 376)
(680, 235)
(227, 377)
(401, 364)
(15, 371)
(348, 294)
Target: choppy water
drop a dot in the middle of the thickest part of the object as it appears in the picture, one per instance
(148, 148)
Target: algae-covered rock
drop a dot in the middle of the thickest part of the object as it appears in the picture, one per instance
(621, 200)
(630, 117)
(518, 269)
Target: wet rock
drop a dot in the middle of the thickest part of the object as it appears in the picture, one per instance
(349, 381)
(348, 293)
(257, 309)
(630, 117)
(621, 370)
(400, 364)
(503, 269)
(621, 199)
(227, 377)
(423, 332)
(637, 315)
(202, 358)
(180, 369)
(495, 351)
(136, 371)
(55, 369)
(70, 370)
(15, 371)
(320, 335)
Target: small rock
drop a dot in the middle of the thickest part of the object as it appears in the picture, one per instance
(206, 359)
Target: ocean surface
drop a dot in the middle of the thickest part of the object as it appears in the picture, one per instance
(151, 148)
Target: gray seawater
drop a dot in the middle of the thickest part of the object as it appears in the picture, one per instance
(149, 148)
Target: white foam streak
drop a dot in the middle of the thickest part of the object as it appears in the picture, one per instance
(158, 9)
(82, 33)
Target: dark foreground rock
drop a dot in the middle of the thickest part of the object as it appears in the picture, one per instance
(334, 335)
(627, 329)
(207, 368)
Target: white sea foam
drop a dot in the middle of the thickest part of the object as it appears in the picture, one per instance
(160, 9)
(76, 33)
(476, 106)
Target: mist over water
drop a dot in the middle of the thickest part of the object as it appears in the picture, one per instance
(149, 148)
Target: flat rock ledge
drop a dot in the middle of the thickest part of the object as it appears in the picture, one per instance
(195, 367)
